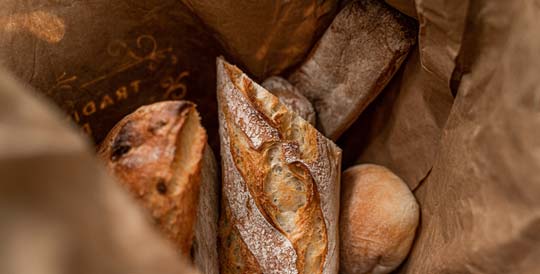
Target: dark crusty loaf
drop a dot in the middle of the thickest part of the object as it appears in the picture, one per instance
(280, 184)
(159, 153)
(352, 63)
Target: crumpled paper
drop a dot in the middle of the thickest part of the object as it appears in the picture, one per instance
(442, 26)
(402, 128)
(266, 37)
(405, 6)
(479, 201)
(60, 213)
(480, 204)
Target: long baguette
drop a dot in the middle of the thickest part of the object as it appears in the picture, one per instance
(280, 184)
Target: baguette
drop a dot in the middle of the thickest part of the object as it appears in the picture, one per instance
(280, 184)
(159, 153)
(352, 63)
(290, 97)
(379, 216)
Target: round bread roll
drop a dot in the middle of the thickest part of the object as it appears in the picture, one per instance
(379, 216)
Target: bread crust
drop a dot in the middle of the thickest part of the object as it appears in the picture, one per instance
(290, 97)
(159, 153)
(280, 183)
(206, 228)
(353, 61)
(379, 216)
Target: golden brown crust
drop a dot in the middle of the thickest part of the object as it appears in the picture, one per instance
(379, 216)
(280, 181)
(234, 256)
(156, 153)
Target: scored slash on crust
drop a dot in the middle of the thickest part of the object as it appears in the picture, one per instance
(280, 182)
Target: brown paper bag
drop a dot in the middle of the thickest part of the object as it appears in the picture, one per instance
(100, 60)
(60, 213)
(266, 36)
(480, 203)
(405, 6)
(401, 129)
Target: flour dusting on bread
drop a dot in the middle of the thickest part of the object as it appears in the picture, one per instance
(280, 182)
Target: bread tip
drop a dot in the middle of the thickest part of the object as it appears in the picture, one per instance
(220, 60)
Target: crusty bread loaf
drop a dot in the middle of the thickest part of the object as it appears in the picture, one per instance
(280, 184)
(290, 97)
(379, 216)
(353, 61)
(159, 153)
